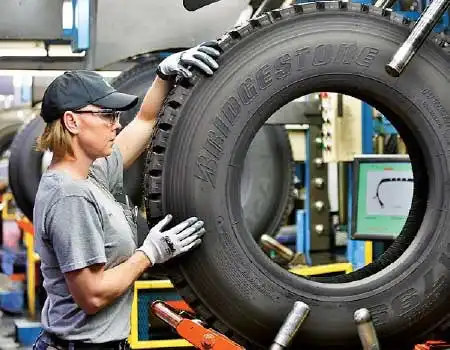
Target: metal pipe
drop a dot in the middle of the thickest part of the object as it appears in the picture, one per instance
(366, 330)
(401, 146)
(267, 5)
(276, 347)
(291, 325)
(384, 4)
(91, 53)
(379, 144)
(163, 312)
(271, 243)
(429, 18)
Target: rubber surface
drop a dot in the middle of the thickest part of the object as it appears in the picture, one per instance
(268, 171)
(7, 131)
(324, 46)
(25, 166)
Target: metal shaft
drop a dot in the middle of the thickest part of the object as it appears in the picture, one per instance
(401, 147)
(385, 4)
(267, 5)
(166, 314)
(366, 330)
(379, 144)
(271, 243)
(291, 326)
(429, 18)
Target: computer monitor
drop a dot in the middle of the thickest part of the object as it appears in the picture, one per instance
(381, 196)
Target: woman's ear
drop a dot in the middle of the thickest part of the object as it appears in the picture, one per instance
(71, 122)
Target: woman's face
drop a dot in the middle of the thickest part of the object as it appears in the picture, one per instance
(96, 130)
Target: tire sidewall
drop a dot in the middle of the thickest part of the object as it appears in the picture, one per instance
(415, 286)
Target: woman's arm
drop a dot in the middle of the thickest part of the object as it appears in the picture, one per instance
(133, 139)
(93, 287)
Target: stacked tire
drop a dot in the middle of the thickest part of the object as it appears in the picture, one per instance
(11, 122)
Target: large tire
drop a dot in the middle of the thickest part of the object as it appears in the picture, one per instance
(9, 127)
(7, 132)
(268, 170)
(25, 166)
(324, 46)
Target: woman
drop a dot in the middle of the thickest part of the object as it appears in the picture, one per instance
(84, 229)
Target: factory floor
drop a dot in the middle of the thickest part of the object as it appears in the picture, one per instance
(7, 333)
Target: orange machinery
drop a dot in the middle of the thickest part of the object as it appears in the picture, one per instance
(204, 338)
(197, 333)
(433, 345)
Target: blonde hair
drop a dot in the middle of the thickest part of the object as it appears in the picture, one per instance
(55, 138)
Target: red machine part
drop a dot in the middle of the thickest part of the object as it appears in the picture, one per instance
(193, 331)
(432, 344)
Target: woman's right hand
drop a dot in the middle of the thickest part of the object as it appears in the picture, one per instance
(160, 245)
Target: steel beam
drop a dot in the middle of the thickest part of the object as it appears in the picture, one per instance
(31, 19)
(54, 63)
(298, 112)
(129, 27)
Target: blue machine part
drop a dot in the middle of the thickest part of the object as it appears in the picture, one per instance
(382, 126)
(303, 243)
(355, 249)
(145, 298)
(79, 34)
(163, 55)
(27, 331)
(442, 26)
(13, 301)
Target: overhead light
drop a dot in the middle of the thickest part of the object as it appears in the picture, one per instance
(35, 49)
(63, 51)
(22, 49)
(50, 73)
(37, 52)
(67, 14)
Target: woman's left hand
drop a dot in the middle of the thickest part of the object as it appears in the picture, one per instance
(202, 57)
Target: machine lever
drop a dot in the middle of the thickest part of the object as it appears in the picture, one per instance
(286, 254)
(422, 28)
(366, 330)
(291, 326)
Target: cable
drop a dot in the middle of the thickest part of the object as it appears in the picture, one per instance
(389, 179)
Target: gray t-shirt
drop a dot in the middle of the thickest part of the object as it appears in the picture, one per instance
(78, 223)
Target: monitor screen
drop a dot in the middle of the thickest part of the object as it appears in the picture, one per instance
(381, 196)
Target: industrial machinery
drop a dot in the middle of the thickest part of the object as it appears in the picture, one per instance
(313, 221)
(202, 337)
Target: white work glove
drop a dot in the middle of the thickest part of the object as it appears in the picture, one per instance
(201, 56)
(160, 246)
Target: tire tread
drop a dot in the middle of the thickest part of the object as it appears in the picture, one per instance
(182, 92)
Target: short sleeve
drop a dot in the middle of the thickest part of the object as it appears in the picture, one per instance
(75, 231)
(109, 171)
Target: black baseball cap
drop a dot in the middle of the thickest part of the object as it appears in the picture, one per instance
(77, 89)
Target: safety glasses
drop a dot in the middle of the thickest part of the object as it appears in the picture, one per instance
(111, 115)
